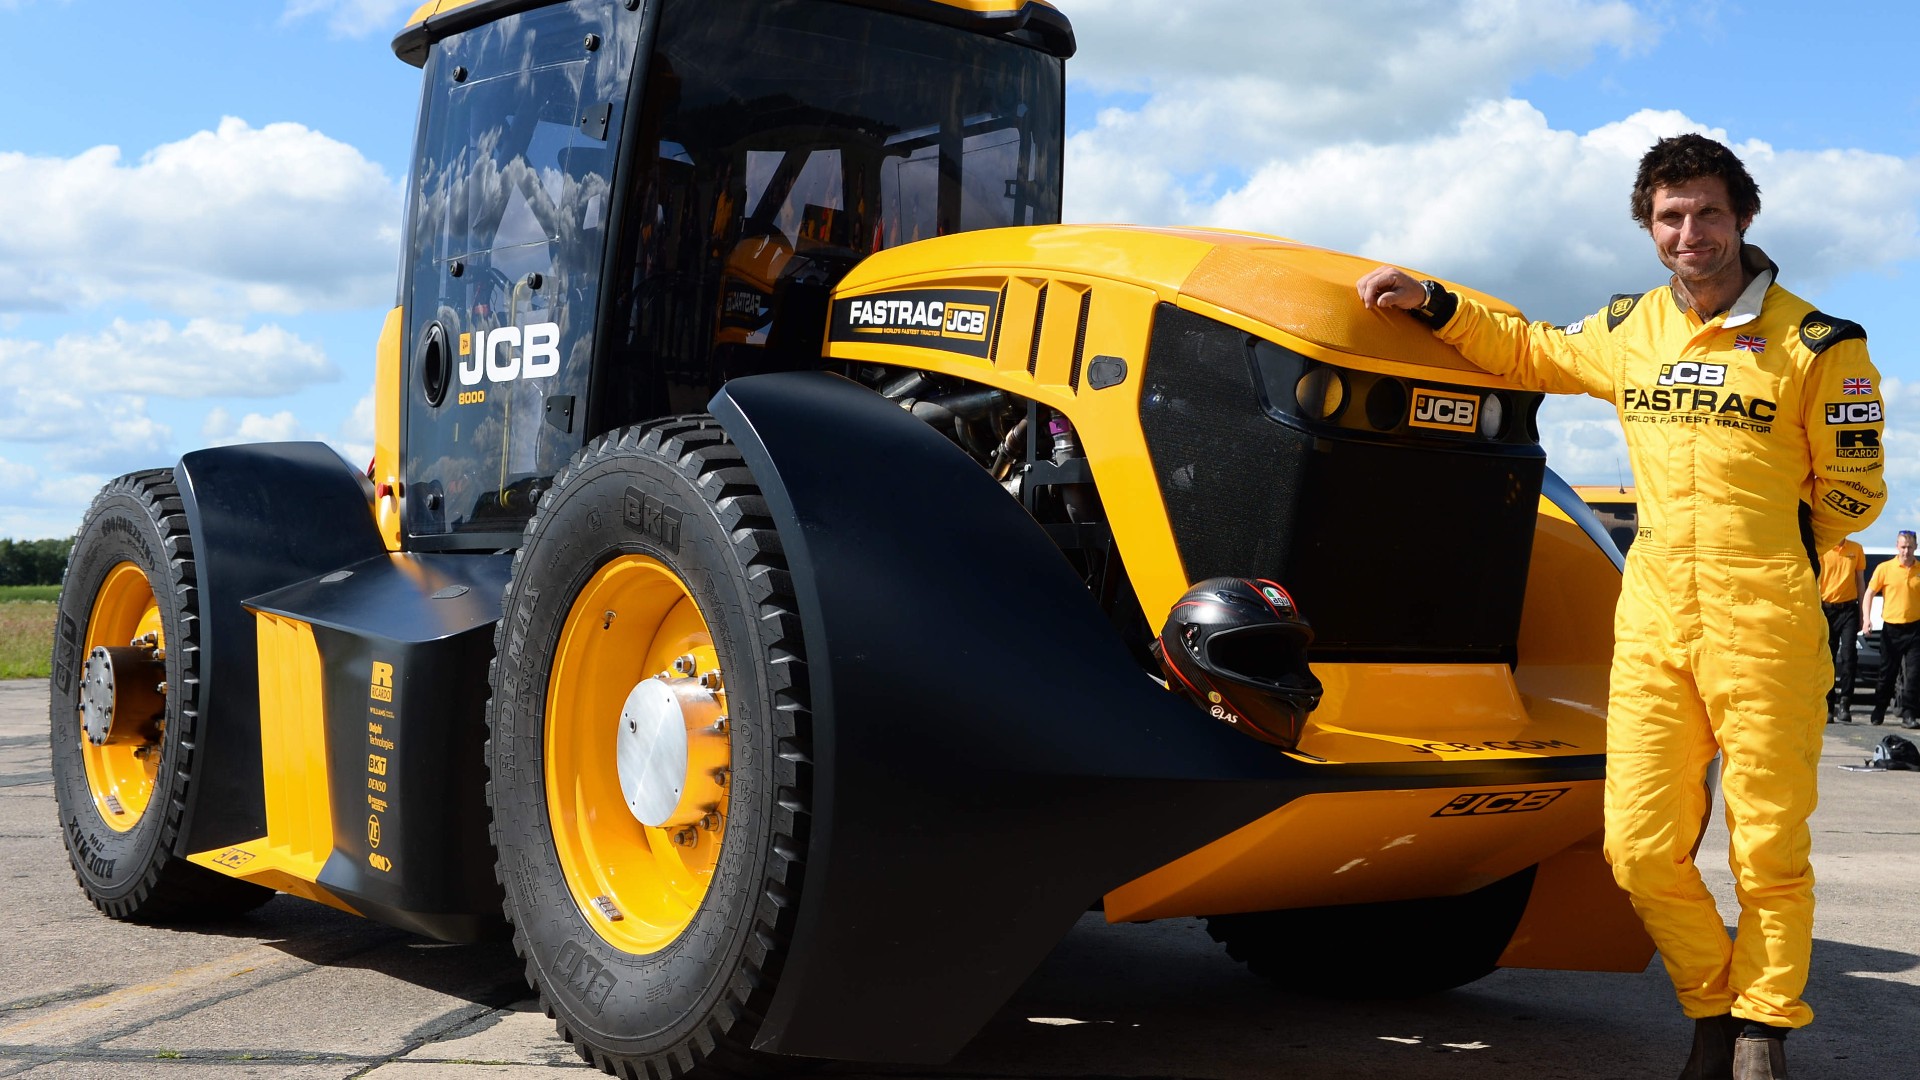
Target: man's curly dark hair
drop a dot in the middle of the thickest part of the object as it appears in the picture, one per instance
(1690, 157)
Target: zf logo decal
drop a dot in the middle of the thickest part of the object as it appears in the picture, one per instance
(1501, 802)
(509, 353)
(952, 320)
(1847, 506)
(1689, 373)
(1444, 412)
(1857, 444)
(1853, 412)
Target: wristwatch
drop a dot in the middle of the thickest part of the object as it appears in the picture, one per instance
(1438, 308)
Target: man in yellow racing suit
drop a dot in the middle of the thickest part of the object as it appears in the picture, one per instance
(1753, 423)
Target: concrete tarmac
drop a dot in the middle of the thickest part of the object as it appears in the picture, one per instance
(296, 989)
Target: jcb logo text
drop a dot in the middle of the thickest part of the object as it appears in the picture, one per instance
(1446, 412)
(510, 352)
(1853, 412)
(1500, 802)
(1688, 373)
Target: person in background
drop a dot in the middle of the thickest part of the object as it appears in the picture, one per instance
(1745, 412)
(1843, 577)
(1899, 580)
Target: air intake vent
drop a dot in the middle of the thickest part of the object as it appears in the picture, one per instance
(999, 319)
(1080, 342)
(1039, 324)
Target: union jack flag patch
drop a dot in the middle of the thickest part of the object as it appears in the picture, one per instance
(1856, 387)
(1749, 343)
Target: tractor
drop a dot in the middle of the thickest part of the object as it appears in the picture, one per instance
(798, 577)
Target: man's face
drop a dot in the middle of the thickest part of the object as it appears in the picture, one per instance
(1903, 547)
(1694, 229)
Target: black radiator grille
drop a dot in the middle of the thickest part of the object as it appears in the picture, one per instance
(1397, 545)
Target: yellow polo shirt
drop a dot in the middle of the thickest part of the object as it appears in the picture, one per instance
(1838, 565)
(1900, 586)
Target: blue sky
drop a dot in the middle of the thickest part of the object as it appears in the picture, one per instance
(200, 203)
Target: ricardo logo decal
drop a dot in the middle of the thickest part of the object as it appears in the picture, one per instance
(1500, 802)
(1862, 443)
(1444, 412)
(951, 320)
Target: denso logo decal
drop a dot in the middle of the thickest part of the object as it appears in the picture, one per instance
(1444, 412)
(1500, 802)
(510, 352)
(1853, 412)
(1688, 373)
(1861, 443)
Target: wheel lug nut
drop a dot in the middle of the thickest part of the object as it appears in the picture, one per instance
(685, 665)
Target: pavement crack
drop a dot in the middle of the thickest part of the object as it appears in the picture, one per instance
(78, 993)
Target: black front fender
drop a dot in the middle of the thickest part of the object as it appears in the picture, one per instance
(988, 759)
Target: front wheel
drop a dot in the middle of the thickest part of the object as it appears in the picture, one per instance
(648, 748)
(125, 708)
(1395, 949)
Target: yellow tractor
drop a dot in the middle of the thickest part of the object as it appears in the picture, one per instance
(798, 577)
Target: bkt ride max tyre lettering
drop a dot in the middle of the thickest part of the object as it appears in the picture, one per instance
(1395, 949)
(648, 753)
(124, 708)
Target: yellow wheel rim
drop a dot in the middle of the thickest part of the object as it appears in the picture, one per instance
(121, 775)
(637, 885)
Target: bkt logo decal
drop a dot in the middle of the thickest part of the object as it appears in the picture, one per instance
(1848, 506)
(509, 353)
(1688, 373)
(1444, 412)
(1853, 412)
(1857, 444)
(1500, 802)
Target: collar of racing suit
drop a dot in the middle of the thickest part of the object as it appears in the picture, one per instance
(1746, 307)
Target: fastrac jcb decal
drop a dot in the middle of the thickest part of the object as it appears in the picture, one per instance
(1443, 412)
(951, 320)
(1500, 802)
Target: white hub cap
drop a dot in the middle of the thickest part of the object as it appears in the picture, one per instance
(662, 726)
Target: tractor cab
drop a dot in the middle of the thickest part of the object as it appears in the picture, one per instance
(612, 212)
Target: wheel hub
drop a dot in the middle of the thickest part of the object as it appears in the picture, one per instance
(671, 751)
(120, 696)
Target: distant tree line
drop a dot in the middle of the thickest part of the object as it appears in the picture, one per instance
(33, 562)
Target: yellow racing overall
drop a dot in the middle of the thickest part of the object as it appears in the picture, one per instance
(1755, 438)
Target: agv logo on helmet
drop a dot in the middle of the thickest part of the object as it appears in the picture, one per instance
(1237, 647)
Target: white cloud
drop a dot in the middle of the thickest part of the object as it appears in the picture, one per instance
(355, 18)
(273, 219)
(221, 430)
(202, 358)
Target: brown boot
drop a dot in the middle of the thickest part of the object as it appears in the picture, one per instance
(1756, 1057)
(1712, 1057)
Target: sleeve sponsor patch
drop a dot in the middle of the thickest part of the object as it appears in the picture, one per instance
(1619, 308)
(1820, 331)
(1846, 504)
(952, 320)
(1857, 443)
(1853, 412)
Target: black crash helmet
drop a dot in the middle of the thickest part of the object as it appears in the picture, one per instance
(1238, 648)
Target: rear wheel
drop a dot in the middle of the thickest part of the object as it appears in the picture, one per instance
(124, 708)
(648, 753)
(1396, 949)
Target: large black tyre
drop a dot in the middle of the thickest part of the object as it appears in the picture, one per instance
(672, 499)
(1395, 949)
(130, 574)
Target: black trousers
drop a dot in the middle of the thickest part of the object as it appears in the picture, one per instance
(1843, 628)
(1899, 654)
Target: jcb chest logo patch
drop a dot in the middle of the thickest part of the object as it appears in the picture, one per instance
(1853, 412)
(952, 320)
(1500, 802)
(1688, 373)
(1444, 412)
